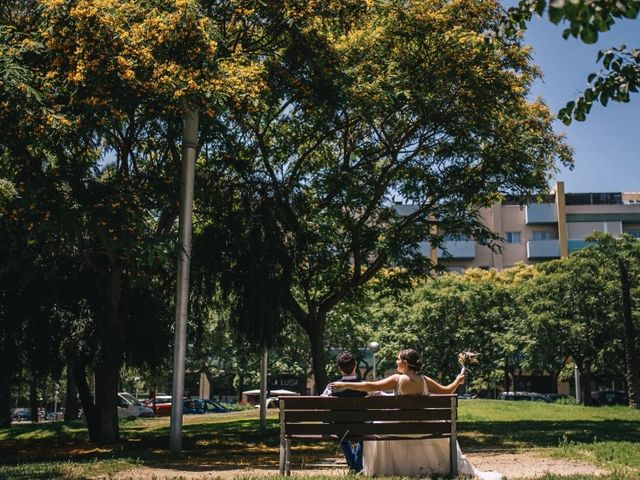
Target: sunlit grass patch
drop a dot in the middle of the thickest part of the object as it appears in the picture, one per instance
(609, 454)
(607, 437)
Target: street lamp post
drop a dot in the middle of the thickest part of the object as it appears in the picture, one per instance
(189, 150)
(136, 380)
(576, 372)
(55, 402)
(263, 389)
(374, 347)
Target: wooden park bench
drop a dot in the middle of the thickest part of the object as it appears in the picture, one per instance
(369, 419)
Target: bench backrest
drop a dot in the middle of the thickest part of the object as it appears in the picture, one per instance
(369, 418)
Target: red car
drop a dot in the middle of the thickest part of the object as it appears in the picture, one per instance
(162, 406)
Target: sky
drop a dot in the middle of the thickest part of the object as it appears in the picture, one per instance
(607, 145)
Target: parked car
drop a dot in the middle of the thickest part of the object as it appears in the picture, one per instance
(467, 396)
(272, 402)
(54, 415)
(610, 397)
(160, 406)
(159, 399)
(21, 414)
(211, 406)
(193, 406)
(130, 407)
(190, 406)
(554, 397)
(530, 396)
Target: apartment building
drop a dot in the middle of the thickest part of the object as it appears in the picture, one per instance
(543, 231)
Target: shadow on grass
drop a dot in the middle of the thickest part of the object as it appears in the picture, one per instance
(540, 433)
(39, 430)
(238, 444)
(208, 446)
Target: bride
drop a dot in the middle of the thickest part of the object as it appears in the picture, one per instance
(411, 457)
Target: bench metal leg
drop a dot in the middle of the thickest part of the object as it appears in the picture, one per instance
(282, 459)
(283, 454)
(283, 442)
(288, 457)
(453, 440)
(453, 456)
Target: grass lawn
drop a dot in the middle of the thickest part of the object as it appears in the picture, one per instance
(606, 436)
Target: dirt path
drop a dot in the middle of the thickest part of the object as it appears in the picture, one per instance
(523, 465)
(531, 465)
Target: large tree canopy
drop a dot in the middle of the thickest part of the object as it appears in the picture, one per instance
(412, 102)
(111, 79)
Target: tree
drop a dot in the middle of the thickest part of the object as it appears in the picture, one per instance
(400, 99)
(571, 302)
(114, 77)
(540, 345)
(621, 256)
(621, 73)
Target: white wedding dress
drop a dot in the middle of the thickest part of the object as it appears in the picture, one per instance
(412, 458)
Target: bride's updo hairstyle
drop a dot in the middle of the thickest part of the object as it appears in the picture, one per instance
(412, 358)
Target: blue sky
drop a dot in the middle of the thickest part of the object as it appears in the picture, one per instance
(607, 144)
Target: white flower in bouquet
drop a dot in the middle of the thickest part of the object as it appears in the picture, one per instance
(466, 359)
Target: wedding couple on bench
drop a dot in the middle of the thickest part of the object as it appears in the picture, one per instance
(411, 457)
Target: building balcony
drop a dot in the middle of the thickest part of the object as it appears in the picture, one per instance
(576, 244)
(543, 249)
(458, 250)
(540, 213)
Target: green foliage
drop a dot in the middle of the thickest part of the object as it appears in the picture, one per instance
(621, 73)
(410, 101)
(7, 191)
(620, 78)
(585, 19)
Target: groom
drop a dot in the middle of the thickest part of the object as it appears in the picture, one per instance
(347, 367)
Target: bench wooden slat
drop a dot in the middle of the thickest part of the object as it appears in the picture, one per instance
(366, 415)
(405, 402)
(395, 418)
(391, 428)
(375, 437)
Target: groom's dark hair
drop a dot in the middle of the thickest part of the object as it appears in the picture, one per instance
(346, 362)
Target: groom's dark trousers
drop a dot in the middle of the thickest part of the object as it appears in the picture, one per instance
(352, 452)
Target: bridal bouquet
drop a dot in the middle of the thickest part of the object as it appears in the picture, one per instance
(467, 358)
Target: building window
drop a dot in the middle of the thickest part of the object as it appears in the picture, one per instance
(455, 237)
(540, 235)
(512, 237)
(634, 232)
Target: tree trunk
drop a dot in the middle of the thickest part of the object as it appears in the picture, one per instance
(86, 400)
(555, 373)
(506, 385)
(585, 380)
(45, 399)
(70, 400)
(108, 362)
(630, 355)
(5, 399)
(33, 399)
(106, 401)
(240, 385)
(318, 363)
